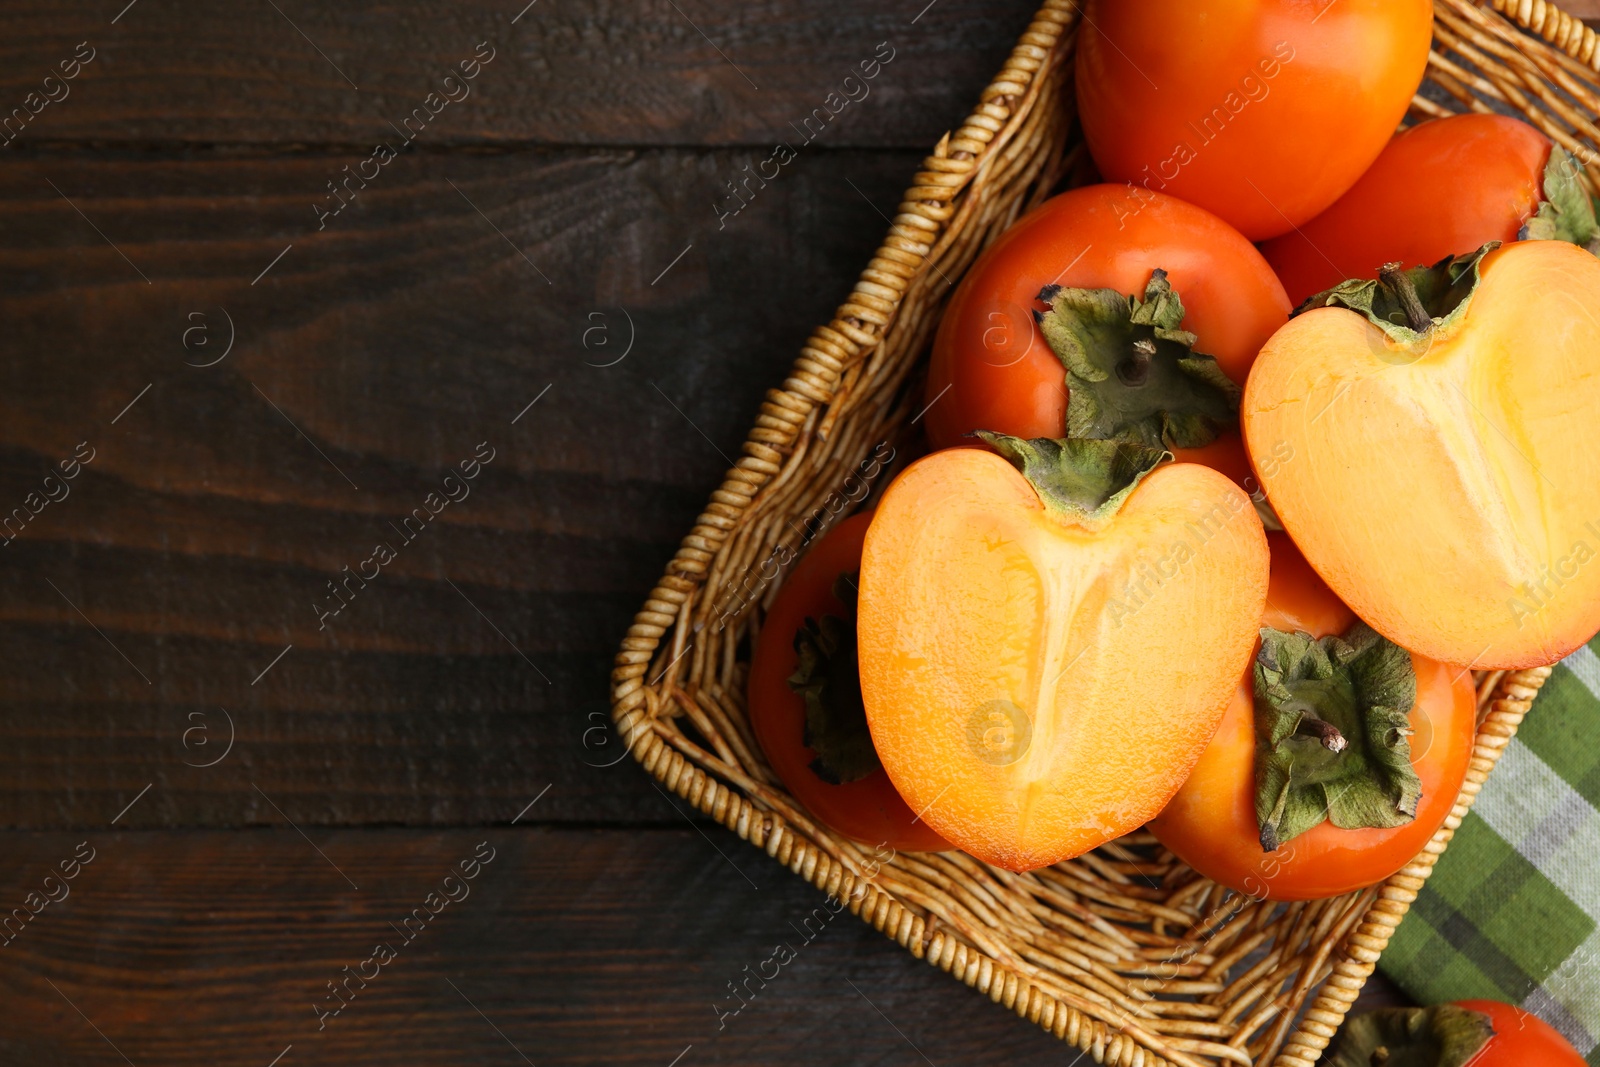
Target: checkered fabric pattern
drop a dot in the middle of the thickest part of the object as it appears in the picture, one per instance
(1512, 912)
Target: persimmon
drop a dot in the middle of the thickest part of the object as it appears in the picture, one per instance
(1468, 1033)
(1457, 183)
(1263, 113)
(805, 701)
(1430, 441)
(1106, 257)
(1381, 817)
(1046, 648)
(1520, 1037)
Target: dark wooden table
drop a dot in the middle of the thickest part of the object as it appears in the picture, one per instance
(245, 344)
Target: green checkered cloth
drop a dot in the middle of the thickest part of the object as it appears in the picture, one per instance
(1512, 911)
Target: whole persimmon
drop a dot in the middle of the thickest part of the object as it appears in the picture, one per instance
(1520, 1037)
(1262, 113)
(1046, 648)
(1445, 187)
(1468, 1033)
(805, 701)
(1107, 310)
(1311, 761)
(1430, 441)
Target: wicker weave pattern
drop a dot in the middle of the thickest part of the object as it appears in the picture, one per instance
(1555, 26)
(1125, 952)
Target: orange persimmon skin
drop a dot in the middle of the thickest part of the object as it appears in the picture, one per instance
(1520, 1039)
(1448, 491)
(1263, 113)
(1226, 455)
(1457, 183)
(1211, 824)
(868, 810)
(992, 368)
(1036, 689)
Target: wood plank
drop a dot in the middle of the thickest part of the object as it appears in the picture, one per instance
(376, 353)
(568, 71)
(576, 947)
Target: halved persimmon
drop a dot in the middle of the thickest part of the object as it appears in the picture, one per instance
(1046, 648)
(1431, 441)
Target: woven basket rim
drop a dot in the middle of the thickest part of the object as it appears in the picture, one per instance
(809, 400)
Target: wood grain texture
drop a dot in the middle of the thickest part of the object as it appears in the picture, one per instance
(686, 72)
(181, 177)
(377, 353)
(205, 948)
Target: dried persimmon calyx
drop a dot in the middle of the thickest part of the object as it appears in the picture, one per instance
(1333, 733)
(1080, 482)
(1132, 372)
(1567, 213)
(1408, 304)
(1444, 1035)
(827, 680)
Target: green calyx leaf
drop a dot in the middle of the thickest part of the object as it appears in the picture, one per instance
(1567, 213)
(829, 682)
(1080, 482)
(1132, 373)
(1441, 1036)
(1332, 733)
(1408, 304)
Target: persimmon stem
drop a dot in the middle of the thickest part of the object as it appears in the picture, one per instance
(1324, 731)
(1135, 370)
(1395, 277)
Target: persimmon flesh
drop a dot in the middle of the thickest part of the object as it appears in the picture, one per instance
(1038, 685)
(1445, 482)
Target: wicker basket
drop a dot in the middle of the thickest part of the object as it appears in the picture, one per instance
(1089, 949)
